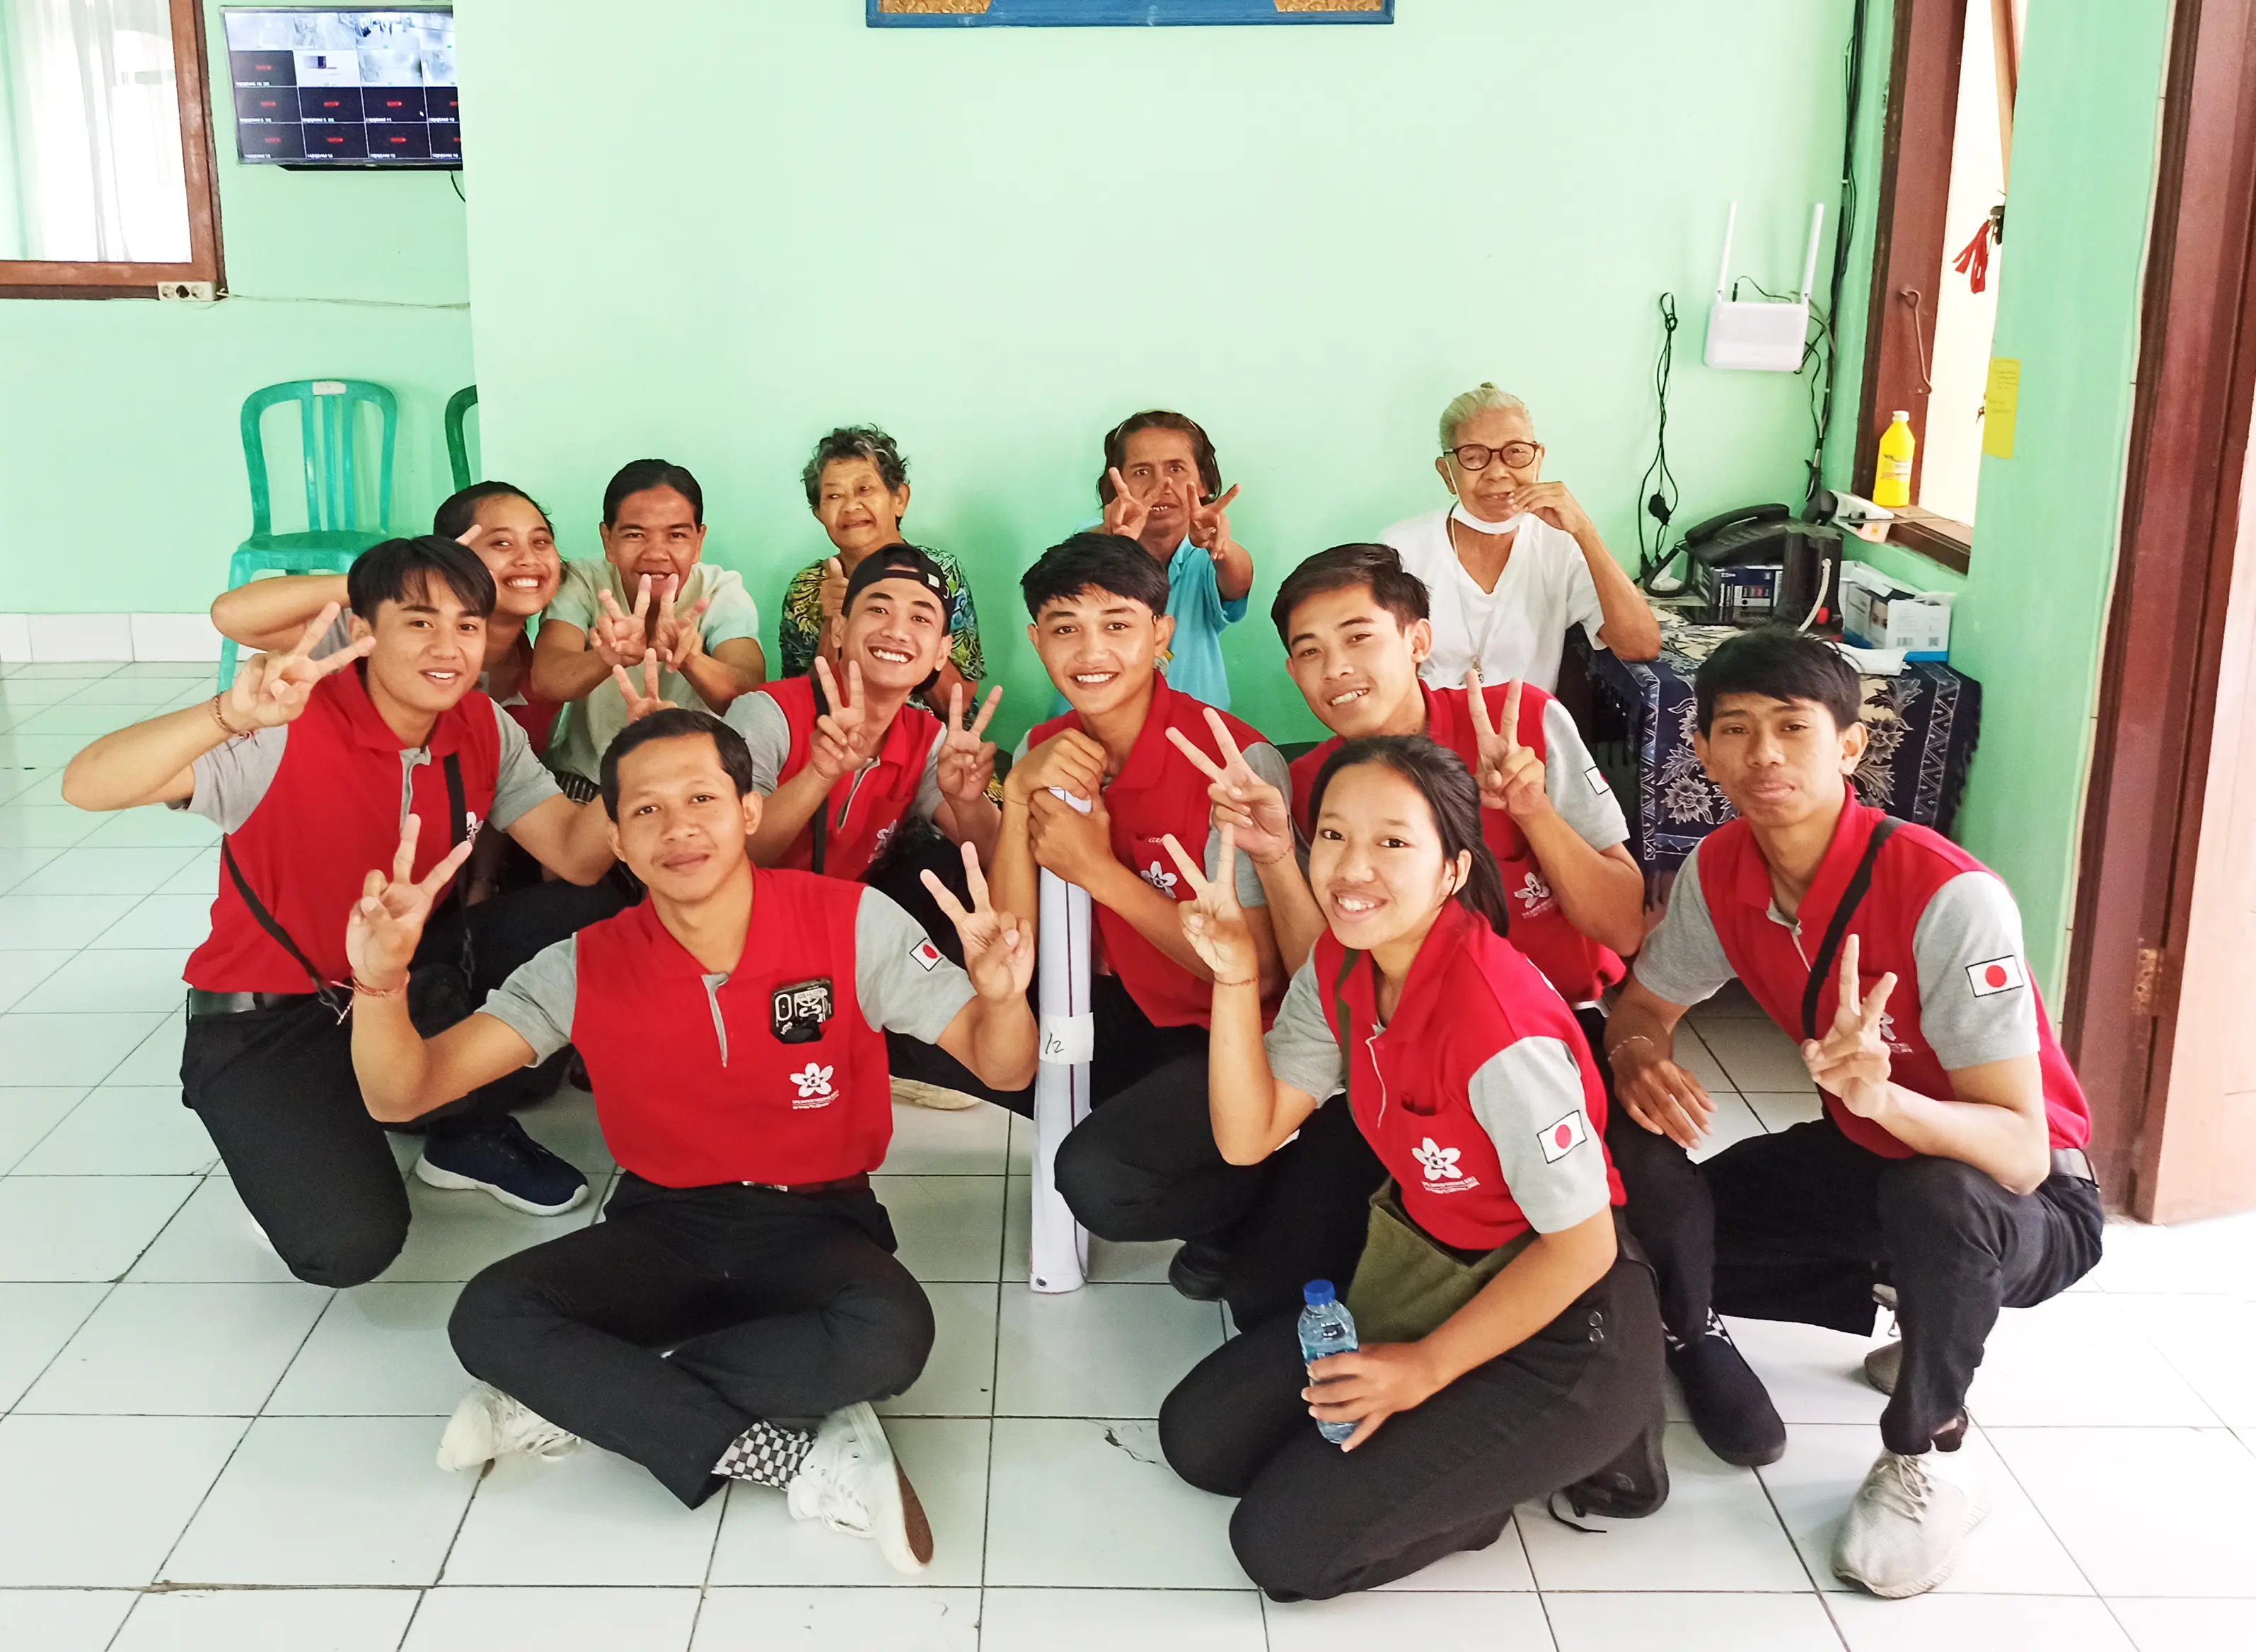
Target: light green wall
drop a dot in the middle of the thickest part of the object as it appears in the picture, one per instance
(120, 470)
(998, 242)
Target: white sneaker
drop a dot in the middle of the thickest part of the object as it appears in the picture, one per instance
(1903, 1531)
(914, 1092)
(1884, 1365)
(851, 1484)
(488, 1424)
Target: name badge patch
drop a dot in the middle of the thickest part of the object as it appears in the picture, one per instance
(796, 1013)
(1994, 976)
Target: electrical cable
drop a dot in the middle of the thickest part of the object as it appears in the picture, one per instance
(1844, 230)
(1657, 484)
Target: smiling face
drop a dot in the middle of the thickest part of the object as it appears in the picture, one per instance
(1356, 665)
(1099, 648)
(857, 509)
(1375, 863)
(681, 826)
(1778, 761)
(656, 533)
(1160, 468)
(897, 631)
(1486, 490)
(429, 649)
(518, 549)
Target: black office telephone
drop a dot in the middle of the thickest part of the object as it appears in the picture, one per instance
(1791, 568)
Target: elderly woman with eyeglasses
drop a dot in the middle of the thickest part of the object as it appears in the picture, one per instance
(1513, 561)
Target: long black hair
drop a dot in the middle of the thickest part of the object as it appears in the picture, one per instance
(1450, 791)
(458, 513)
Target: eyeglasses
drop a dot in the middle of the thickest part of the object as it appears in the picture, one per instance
(1516, 455)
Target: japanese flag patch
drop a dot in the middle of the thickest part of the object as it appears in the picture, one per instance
(1597, 779)
(925, 954)
(1994, 976)
(1561, 1139)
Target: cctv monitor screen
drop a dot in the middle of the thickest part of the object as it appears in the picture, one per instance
(316, 86)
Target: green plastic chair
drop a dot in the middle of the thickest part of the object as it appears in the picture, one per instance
(328, 418)
(458, 447)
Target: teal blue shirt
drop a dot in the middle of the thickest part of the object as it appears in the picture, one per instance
(1195, 601)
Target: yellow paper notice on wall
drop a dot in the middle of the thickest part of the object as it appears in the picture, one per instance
(2001, 400)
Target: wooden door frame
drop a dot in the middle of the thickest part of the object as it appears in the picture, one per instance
(2196, 375)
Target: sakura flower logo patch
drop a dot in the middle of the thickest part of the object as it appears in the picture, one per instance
(814, 1083)
(1158, 876)
(1533, 894)
(1440, 1164)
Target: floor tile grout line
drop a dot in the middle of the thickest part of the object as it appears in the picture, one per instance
(14, 1405)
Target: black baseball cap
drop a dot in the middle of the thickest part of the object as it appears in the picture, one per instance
(898, 561)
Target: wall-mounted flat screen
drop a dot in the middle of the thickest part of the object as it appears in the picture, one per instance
(316, 86)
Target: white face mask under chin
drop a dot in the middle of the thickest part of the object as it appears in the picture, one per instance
(1459, 514)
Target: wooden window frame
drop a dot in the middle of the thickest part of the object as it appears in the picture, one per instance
(68, 278)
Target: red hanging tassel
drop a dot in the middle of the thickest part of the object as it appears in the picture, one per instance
(1973, 262)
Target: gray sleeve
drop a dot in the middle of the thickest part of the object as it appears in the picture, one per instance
(232, 778)
(1019, 751)
(521, 784)
(1975, 1004)
(1265, 761)
(1529, 1096)
(903, 983)
(537, 1001)
(927, 803)
(767, 731)
(1682, 960)
(1577, 785)
(1303, 1049)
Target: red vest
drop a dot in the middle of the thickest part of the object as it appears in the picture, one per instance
(1470, 994)
(1158, 792)
(1578, 966)
(676, 1106)
(331, 816)
(864, 808)
(1774, 960)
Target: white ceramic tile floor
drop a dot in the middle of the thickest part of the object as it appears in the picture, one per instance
(262, 1448)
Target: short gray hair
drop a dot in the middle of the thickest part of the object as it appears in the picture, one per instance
(855, 441)
(1487, 398)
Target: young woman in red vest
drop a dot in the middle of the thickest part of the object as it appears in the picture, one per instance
(1948, 1161)
(1465, 1071)
(310, 764)
(731, 1023)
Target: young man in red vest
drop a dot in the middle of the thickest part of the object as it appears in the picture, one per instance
(1949, 1162)
(744, 1270)
(310, 765)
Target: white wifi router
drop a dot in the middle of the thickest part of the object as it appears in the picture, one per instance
(1764, 335)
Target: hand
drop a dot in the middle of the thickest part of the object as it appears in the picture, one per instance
(1369, 1385)
(622, 639)
(1245, 804)
(843, 740)
(1852, 1060)
(998, 954)
(1550, 501)
(270, 689)
(830, 595)
(677, 637)
(1078, 847)
(1210, 523)
(468, 537)
(967, 758)
(1213, 922)
(1510, 775)
(1658, 1094)
(640, 705)
(1125, 513)
(1069, 759)
(386, 922)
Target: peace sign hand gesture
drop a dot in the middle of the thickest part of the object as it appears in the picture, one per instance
(1210, 529)
(270, 689)
(1246, 806)
(1125, 513)
(1510, 775)
(640, 704)
(843, 740)
(677, 637)
(1852, 1060)
(622, 639)
(386, 922)
(967, 756)
(1212, 921)
(998, 953)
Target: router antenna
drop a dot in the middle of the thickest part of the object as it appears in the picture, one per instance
(1723, 268)
(1809, 264)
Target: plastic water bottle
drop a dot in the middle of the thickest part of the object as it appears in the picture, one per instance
(1327, 1328)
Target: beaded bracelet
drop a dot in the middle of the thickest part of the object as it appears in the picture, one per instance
(219, 717)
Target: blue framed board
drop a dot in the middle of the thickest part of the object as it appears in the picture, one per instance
(1034, 14)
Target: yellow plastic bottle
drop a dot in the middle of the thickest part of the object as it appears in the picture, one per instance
(1892, 478)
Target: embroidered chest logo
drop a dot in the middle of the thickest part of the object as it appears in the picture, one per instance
(1440, 1164)
(884, 835)
(1533, 894)
(1888, 1034)
(471, 822)
(1158, 876)
(814, 1083)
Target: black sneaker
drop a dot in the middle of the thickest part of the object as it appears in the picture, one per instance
(1629, 1487)
(1196, 1271)
(1728, 1404)
(503, 1160)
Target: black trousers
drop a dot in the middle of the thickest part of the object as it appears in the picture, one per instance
(1143, 1166)
(1314, 1522)
(277, 1092)
(667, 1329)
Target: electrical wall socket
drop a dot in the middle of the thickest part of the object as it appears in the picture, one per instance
(187, 292)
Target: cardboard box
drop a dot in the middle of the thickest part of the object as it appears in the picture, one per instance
(1876, 612)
